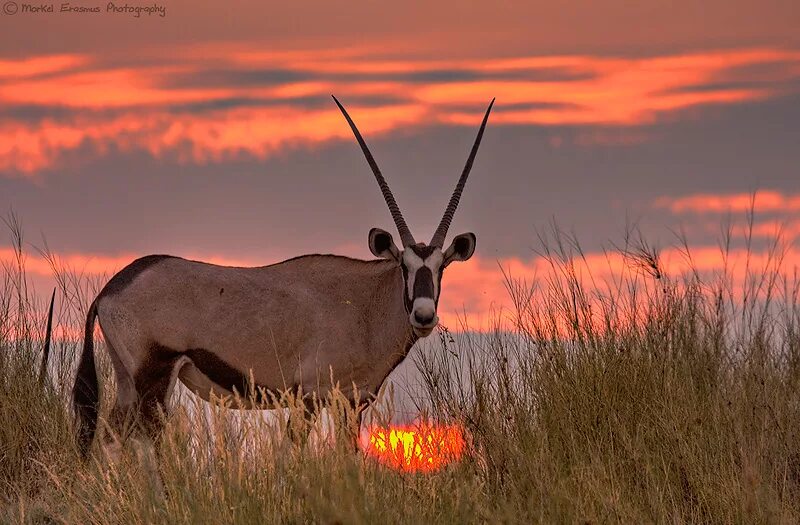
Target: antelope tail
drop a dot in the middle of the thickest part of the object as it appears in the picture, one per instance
(85, 393)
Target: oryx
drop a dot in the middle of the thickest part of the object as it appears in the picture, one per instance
(293, 325)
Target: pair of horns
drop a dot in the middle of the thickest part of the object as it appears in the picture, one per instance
(402, 227)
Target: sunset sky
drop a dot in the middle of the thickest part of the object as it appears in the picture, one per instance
(209, 132)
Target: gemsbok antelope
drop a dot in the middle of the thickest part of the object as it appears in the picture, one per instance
(292, 326)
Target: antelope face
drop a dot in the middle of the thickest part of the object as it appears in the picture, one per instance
(422, 268)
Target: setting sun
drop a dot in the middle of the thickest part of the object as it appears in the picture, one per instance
(424, 447)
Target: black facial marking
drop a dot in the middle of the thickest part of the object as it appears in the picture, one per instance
(422, 251)
(423, 283)
(406, 298)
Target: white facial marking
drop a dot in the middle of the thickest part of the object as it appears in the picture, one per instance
(434, 262)
(424, 306)
(413, 263)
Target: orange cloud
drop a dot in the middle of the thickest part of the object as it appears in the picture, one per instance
(29, 67)
(264, 131)
(765, 201)
(476, 291)
(202, 138)
(789, 229)
(257, 103)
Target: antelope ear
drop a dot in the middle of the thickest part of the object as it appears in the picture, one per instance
(461, 249)
(382, 245)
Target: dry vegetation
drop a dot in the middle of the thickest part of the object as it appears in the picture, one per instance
(643, 399)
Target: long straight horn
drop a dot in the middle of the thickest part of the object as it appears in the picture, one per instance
(402, 228)
(441, 231)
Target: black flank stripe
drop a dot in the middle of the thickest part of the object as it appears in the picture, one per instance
(225, 375)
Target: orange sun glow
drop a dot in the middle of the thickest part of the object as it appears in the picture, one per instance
(421, 447)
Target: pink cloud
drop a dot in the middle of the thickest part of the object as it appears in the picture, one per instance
(475, 291)
(96, 264)
(765, 201)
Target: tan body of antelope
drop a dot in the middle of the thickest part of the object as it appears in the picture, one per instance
(297, 325)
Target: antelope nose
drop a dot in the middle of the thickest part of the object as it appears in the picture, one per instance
(424, 318)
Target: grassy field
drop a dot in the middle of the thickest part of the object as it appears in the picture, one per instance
(648, 398)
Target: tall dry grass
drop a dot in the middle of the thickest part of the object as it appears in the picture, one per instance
(644, 398)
